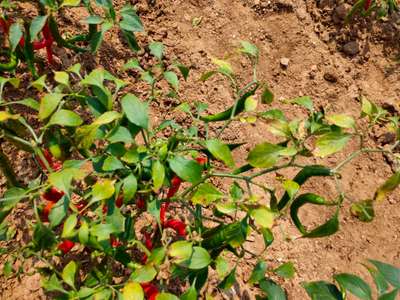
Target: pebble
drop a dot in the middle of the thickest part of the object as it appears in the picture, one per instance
(331, 77)
(340, 13)
(284, 62)
(351, 48)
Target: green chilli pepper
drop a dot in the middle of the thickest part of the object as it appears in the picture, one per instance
(225, 235)
(328, 228)
(302, 177)
(11, 65)
(240, 106)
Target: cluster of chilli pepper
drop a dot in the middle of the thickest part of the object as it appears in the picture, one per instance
(53, 195)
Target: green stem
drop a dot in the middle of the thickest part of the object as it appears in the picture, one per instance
(354, 155)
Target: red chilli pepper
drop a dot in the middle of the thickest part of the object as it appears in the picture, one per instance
(150, 290)
(46, 211)
(48, 42)
(56, 165)
(66, 246)
(80, 205)
(53, 195)
(176, 225)
(163, 211)
(175, 184)
(119, 201)
(140, 203)
(367, 4)
(115, 243)
(201, 160)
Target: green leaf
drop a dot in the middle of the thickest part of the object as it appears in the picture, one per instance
(389, 272)
(258, 272)
(304, 101)
(83, 233)
(157, 49)
(166, 296)
(355, 285)
(97, 38)
(172, 79)
(15, 35)
(71, 2)
(363, 210)
(7, 269)
(390, 185)
(200, 259)
(135, 110)
(221, 266)
(144, 274)
(102, 231)
(43, 237)
(132, 291)
(62, 77)
(263, 216)
(205, 194)
(223, 66)
(65, 117)
(130, 20)
(249, 49)
(29, 102)
(93, 19)
(69, 226)
(285, 270)
(190, 294)
(322, 290)
(58, 212)
(120, 135)
(103, 189)
(133, 64)
(37, 26)
(39, 83)
(107, 118)
(111, 163)
(267, 236)
(228, 281)
(48, 104)
(220, 151)
(181, 250)
(380, 282)
(343, 121)
(264, 155)
(389, 296)
(187, 170)
(267, 97)
(184, 70)
(53, 284)
(330, 143)
(158, 174)
(273, 291)
(157, 256)
(129, 187)
(68, 273)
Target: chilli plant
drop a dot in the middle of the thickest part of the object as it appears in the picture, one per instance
(22, 36)
(380, 8)
(128, 209)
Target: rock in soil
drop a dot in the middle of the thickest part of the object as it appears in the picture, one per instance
(351, 48)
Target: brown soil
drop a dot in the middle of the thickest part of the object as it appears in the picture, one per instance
(306, 34)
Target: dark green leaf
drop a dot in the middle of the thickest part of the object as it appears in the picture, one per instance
(389, 296)
(187, 170)
(355, 285)
(322, 290)
(268, 236)
(58, 212)
(258, 272)
(273, 291)
(36, 26)
(111, 163)
(135, 110)
(389, 272)
(129, 187)
(267, 96)
(228, 281)
(285, 270)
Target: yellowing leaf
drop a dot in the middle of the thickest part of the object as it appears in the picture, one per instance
(343, 121)
(132, 291)
(263, 216)
(5, 115)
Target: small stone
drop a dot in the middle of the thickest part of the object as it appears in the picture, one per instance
(325, 36)
(351, 48)
(328, 76)
(284, 62)
(340, 12)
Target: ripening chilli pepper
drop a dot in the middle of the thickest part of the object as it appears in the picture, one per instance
(115, 243)
(54, 164)
(66, 246)
(201, 160)
(163, 211)
(150, 290)
(175, 184)
(119, 201)
(140, 203)
(176, 225)
(46, 211)
(53, 195)
(367, 4)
